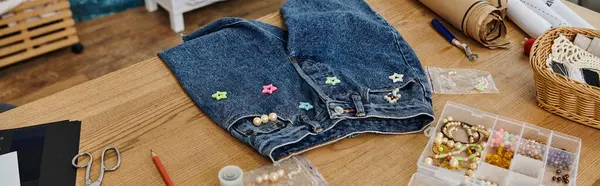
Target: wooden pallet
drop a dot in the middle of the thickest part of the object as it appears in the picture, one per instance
(35, 27)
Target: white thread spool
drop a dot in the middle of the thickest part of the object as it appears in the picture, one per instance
(231, 175)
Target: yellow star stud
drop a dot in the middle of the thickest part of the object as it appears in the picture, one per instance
(219, 95)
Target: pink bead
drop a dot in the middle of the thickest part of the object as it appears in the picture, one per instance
(501, 130)
(497, 134)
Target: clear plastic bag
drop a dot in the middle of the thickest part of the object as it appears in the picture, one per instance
(460, 81)
(294, 171)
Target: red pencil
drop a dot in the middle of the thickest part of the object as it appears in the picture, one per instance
(161, 169)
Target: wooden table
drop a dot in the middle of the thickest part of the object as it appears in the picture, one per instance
(143, 107)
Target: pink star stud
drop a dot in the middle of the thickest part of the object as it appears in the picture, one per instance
(269, 89)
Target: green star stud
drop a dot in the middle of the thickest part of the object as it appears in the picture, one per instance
(332, 80)
(220, 95)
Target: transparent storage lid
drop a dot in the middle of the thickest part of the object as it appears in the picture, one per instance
(556, 151)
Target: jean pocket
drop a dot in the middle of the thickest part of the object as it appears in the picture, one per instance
(403, 92)
(247, 128)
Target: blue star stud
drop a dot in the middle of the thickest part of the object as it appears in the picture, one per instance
(305, 106)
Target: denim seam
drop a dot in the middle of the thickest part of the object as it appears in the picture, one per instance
(216, 28)
(311, 82)
(335, 140)
(267, 31)
(234, 119)
(395, 105)
(387, 117)
(245, 21)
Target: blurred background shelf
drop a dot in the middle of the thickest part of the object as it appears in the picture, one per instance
(176, 8)
(34, 28)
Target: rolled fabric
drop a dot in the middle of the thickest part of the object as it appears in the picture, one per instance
(565, 12)
(478, 19)
(526, 19)
(544, 11)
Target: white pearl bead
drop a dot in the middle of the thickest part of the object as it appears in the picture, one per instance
(450, 118)
(473, 166)
(453, 163)
(458, 145)
(256, 121)
(281, 173)
(272, 117)
(437, 141)
(428, 161)
(444, 140)
(264, 118)
(439, 135)
(450, 144)
(273, 177)
(265, 177)
(259, 179)
(471, 173)
(445, 120)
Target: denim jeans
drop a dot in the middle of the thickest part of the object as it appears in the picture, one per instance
(340, 70)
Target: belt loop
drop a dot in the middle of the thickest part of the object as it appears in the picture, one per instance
(360, 109)
(315, 125)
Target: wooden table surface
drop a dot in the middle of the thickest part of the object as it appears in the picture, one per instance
(143, 107)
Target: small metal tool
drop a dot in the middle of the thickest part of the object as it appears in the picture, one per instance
(448, 36)
(88, 165)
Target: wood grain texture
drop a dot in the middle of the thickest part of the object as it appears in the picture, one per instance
(142, 107)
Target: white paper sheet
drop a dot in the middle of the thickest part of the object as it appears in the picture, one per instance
(544, 11)
(9, 170)
(565, 12)
(527, 19)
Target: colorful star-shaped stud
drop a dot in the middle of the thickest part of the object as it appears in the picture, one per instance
(269, 89)
(397, 77)
(332, 80)
(220, 95)
(305, 106)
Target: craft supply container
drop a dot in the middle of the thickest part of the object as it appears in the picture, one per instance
(523, 170)
(558, 94)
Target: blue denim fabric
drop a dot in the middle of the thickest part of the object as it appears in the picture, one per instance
(345, 39)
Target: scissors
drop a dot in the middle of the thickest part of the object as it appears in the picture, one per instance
(87, 166)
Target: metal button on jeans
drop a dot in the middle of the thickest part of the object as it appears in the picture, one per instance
(338, 110)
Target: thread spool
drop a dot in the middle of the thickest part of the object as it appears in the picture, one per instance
(528, 44)
(231, 175)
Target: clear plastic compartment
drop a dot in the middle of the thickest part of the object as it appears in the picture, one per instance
(537, 153)
(563, 155)
(465, 114)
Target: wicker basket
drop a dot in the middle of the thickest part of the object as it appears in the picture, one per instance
(558, 94)
(34, 28)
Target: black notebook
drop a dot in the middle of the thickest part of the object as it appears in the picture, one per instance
(44, 152)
